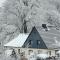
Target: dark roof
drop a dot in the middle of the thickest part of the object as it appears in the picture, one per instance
(50, 37)
(34, 36)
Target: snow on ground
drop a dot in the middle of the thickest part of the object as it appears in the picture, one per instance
(7, 56)
(8, 52)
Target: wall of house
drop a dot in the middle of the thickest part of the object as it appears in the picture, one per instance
(28, 51)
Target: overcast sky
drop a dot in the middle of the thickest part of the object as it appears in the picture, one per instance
(1, 2)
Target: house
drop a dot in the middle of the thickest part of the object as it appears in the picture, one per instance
(39, 40)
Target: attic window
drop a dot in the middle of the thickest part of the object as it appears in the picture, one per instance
(38, 42)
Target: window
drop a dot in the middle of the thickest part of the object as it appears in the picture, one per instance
(49, 52)
(39, 51)
(19, 51)
(56, 51)
(13, 52)
(38, 42)
(30, 51)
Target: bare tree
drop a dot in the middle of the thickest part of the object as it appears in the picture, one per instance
(15, 11)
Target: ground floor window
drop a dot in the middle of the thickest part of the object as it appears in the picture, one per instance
(56, 51)
(19, 51)
(22, 53)
(30, 51)
(50, 53)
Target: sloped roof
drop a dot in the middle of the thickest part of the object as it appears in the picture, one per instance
(18, 41)
(50, 37)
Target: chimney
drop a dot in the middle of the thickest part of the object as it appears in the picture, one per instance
(45, 27)
(25, 27)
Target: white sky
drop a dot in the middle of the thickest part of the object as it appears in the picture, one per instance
(1, 2)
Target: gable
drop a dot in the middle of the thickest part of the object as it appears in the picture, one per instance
(35, 39)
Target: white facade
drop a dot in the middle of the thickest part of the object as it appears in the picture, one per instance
(27, 51)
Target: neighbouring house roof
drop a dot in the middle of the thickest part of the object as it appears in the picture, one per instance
(50, 37)
(18, 41)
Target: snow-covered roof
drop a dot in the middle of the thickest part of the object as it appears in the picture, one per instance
(18, 41)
